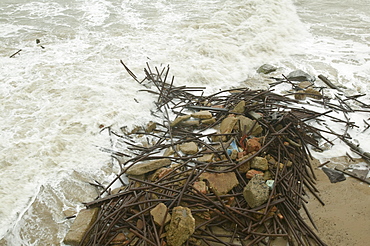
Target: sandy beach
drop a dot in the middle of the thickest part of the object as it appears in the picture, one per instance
(344, 219)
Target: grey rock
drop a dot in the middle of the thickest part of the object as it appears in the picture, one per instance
(266, 69)
(333, 175)
(256, 192)
(299, 75)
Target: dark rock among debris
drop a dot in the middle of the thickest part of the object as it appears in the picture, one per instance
(266, 69)
(299, 75)
(333, 175)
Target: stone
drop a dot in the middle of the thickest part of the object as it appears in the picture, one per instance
(190, 123)
(201, 186)
(305, 84)
(140, 224)
(206, 158)
(118, 190)
(234, 155)
(310, 92)
(243, 168)
(181, 227)
(145, 167)
(239, 108)
(333, 175)
(227, 126)
(151, 126)
(259, 163)
(202, 115)
(220, 183)
(266, 69)
(300, 96)
(189, 148)
(159, 173)
(299, 75)
(268, 175)
(169, 151)
(119, 239)
(251, 173)
(84, 220)
(208, 121)
(160, 214)
(179, 119)
(247, 124)
(253, 144)
(256, 192)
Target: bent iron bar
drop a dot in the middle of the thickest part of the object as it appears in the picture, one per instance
(285, 138)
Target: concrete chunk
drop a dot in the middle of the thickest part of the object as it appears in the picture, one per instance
(190, 148)
(256, 192)
(202, 115)
(221, 183)
(181, 227)
(160, 214)
(82, 223)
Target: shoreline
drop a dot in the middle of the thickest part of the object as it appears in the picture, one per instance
(343, 220)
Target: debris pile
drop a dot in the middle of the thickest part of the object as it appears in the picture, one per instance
(231, 168)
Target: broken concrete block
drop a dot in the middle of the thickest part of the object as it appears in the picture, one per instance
(201, 186)
(145, 167)
(239, 108)
(259, 163)
(80, 226)
(220, 183)
(202, 115)
(179, 119)
(251, 173)
(253, 144)
(160, 214)
(190, 123)
(227, 125)
(208, 121)
(256, 192)
(181, 227)
(246, 124)
(206, 158)
(243, 168)
(190, 148)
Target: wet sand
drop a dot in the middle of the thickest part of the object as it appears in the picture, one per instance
(345, 218)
